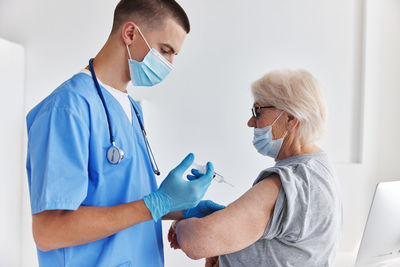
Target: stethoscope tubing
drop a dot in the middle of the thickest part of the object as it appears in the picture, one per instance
(112, 139)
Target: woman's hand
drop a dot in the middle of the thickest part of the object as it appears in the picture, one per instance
(212, 262)
(205, 208)
(173, 241)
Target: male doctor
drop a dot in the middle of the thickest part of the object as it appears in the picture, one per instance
(91, 173)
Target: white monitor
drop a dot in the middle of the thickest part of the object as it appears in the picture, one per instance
(380, 245)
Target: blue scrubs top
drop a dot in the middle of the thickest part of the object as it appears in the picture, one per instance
(68, 138)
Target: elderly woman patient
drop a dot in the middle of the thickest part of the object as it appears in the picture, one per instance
(292, 215)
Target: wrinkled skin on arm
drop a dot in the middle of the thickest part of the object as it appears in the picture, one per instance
(210, 262)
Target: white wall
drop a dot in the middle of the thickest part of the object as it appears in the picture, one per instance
(381, 124)
(50, 31)
(204, 105)
(11, 166)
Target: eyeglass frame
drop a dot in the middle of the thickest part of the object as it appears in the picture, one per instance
(254, 110)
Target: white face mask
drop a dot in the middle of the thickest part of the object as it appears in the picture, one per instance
(263, 142)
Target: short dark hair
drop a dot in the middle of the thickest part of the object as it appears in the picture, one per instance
(149, 13)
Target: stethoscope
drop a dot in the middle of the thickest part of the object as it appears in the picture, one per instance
(115, 154)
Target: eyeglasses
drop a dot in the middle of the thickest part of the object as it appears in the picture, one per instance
(256, 110)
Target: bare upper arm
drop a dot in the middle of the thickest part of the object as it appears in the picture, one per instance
(239, 225)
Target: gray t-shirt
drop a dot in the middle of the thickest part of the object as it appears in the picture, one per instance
(306, 224)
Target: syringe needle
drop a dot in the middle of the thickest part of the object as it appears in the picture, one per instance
(228, 183)
(217, 174)
(221, 179)
(217, 177)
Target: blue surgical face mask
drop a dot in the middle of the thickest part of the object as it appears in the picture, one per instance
(263, 142)
(152, 70)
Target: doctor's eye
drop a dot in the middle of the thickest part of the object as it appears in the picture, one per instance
(164, 51)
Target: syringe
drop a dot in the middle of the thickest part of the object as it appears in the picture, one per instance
(217, 177)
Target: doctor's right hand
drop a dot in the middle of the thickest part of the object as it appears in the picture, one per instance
(175, 193)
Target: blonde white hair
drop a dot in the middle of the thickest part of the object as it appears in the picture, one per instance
(298, 93)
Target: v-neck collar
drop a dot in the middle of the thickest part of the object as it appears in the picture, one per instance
(115, 102)
(111, 95)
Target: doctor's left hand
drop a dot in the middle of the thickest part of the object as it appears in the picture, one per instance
(204, 208)
(175, 193)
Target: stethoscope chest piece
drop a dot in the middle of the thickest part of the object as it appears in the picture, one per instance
(114, 154)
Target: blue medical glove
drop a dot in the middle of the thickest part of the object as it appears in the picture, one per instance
(195, 174)
(205, 208)
(175, 193)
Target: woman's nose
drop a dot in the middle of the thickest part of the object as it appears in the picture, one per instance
(251, 122)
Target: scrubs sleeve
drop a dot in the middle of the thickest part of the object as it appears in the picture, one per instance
(58, 151)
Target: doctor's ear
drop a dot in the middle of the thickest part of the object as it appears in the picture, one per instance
(292, 122)
(129, 32)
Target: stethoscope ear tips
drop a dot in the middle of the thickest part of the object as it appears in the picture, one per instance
(157, 172)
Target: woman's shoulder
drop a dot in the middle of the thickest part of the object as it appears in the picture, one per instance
(301, 167)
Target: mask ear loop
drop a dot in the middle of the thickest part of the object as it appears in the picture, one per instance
(284, 135)
(129, 52)
(143, 38)
(277, 118)
(141, 34)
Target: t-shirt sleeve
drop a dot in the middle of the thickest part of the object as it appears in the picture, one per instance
(58, 152)
(289, 215)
